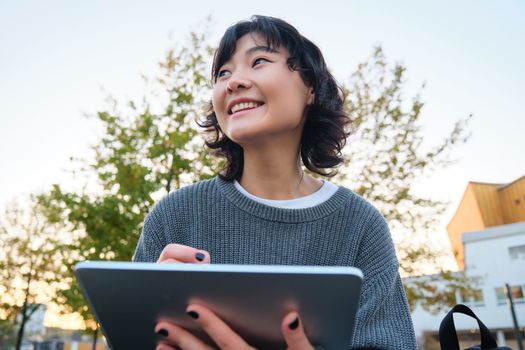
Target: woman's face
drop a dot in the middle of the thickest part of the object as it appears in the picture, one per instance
(256, 96)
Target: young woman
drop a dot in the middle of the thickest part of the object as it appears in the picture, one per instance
(275, 109)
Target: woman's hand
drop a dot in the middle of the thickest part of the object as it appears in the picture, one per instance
(178, 253)
(175, 337)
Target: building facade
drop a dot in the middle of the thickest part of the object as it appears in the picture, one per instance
(497, 256)
(486, 205)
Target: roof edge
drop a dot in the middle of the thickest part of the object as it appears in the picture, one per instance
(503, 186)
(494, 232)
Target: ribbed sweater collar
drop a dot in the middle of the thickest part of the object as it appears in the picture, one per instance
(266, 212)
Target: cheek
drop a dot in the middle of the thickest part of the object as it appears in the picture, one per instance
(288, 100)
(215, 98)
(217, 101)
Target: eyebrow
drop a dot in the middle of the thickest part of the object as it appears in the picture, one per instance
(260, 48)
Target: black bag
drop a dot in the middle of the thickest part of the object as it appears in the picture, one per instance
(448, 338)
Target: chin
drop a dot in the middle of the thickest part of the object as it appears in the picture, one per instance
(244, 137)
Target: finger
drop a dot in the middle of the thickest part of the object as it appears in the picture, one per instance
(184, 254)
(293, 332)
(164, 347)
(169, 261)
(171, 334)
(223, 336)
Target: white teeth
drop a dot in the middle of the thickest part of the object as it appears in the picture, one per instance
(244, 105)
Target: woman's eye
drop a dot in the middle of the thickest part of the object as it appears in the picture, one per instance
(259, 60)
(222, 73)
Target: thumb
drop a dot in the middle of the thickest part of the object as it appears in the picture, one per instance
(293, 332)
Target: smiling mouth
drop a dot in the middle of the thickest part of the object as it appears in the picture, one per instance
(244, 107)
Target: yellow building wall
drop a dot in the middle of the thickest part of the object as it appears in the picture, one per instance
(489, 203)
(467, 218)
(512, 199)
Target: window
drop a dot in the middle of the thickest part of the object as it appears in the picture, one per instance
(517, 292)
(517, 252)
(473, 297)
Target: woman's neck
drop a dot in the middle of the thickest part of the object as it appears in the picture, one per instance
(275, 173)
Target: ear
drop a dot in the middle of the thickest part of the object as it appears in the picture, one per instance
(311, 97)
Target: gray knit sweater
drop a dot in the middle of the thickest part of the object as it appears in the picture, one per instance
(345, 230)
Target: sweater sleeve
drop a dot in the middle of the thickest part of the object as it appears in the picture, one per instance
(151, 241)
(383, 320)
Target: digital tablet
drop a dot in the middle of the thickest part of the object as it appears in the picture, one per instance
(129, 299)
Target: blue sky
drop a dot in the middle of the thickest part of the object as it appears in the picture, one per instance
(56, 56)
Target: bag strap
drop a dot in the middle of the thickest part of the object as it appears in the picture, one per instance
(448, 338)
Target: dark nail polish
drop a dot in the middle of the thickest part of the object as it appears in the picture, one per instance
(200, 256)
(162, 332)
(294, 324)
(193, 314)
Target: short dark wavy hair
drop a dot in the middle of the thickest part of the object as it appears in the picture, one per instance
(324, 131)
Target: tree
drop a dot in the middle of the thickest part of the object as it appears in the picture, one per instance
(30, 264)
(145, 151)
(7, 334)
(383, 160)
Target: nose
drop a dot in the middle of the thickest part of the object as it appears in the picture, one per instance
(235, 84)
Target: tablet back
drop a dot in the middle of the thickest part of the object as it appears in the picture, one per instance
(128, 299)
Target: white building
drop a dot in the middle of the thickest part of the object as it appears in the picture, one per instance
(497, 255)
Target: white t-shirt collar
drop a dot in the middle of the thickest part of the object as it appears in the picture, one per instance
(316, 198)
